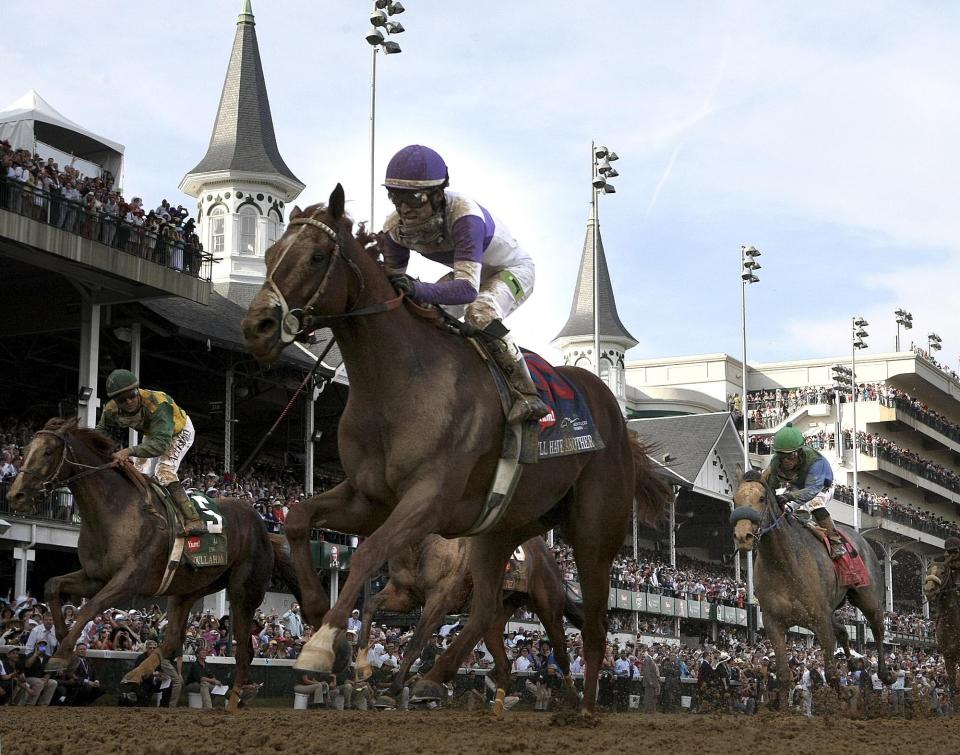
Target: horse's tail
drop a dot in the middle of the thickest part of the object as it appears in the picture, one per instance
(651, 491)
(283, 567)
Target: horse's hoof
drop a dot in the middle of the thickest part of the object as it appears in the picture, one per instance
(425, 691)
(498, 708)
(128, 684)
(385, 702)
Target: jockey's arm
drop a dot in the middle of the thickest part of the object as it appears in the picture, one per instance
(468, 241)
(106, 425)
(817, 477)
(157, 433)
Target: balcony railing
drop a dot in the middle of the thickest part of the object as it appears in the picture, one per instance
(56, 506)
(159, 245)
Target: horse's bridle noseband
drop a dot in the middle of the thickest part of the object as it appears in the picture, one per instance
(47, 485)
(297, 321)
(769, 514)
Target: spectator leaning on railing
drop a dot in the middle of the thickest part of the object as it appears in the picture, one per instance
(95, 209)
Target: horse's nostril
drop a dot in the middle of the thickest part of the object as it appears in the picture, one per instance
(266, 326)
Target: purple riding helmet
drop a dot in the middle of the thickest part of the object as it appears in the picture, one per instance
(416, 167)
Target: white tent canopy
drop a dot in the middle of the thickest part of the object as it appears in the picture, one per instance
(31, 119)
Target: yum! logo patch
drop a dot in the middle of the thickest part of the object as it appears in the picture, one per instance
(193, 544)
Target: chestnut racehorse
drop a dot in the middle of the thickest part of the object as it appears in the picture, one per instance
(435, 574)
(419, 441)
(123, 547)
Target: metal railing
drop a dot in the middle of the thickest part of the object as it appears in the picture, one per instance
(159, 245)
(56, 506)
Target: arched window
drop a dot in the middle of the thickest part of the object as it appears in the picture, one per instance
(248, 230)
(217, 229)
(273, 230)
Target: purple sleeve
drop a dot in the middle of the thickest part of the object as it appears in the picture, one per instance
(395, 257)
(468, 238)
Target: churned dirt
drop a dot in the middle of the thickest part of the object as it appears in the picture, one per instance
(104, 730)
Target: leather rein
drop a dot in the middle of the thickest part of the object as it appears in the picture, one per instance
(295, 322)
(47, 485)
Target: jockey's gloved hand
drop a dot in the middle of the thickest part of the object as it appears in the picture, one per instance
(404, 284)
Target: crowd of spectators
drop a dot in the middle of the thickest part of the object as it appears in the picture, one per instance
(692, 579)
(889, 507)
(882, 448)
(927, 357)
(96, 209)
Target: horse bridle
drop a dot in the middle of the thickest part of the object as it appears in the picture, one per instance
(47, 485)
(294, 322)
(770, 514)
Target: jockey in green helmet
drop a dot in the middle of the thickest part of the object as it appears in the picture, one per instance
(808, 477)
(167, 436)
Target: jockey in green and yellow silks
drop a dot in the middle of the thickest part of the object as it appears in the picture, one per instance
(167, 436)
(808, 477)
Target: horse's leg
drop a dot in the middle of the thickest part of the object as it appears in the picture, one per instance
(493, 639)
(74, 583)
(843, 638)
(120, 589)
(547, 598)
(178, 611)
(413, 519)
(777, 634)
(340, 508)
(872, 610)
(439, 602)
(390, 598)
(488, 558)
(826, 633)
(246, 589)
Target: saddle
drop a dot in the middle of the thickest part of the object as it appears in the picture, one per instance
(198, 551)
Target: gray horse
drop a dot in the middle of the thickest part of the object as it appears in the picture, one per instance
(795, 581)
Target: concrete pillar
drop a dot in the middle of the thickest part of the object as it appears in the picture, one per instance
(673, 527)
(888, 551)
(89, 359)
(228, 423)
(309, 419)
(135, 341)
(23, 556)
(924, 565)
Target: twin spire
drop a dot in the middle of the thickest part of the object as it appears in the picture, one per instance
(243, 139)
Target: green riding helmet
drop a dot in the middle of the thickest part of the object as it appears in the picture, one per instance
(788, 439)
(120, 381)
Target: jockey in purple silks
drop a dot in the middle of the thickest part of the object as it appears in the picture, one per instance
(491, 277)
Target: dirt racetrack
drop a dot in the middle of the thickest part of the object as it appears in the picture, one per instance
(105, 730)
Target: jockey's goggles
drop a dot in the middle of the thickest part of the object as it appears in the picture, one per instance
(123, 398)
(412, 199)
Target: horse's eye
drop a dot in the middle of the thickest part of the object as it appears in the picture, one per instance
(318, 258)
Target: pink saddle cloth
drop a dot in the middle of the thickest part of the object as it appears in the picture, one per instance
(851, 571)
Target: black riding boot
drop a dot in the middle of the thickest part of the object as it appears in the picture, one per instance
(192, 523)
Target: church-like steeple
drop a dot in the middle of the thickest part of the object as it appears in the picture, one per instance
(580, 323)
(575, 340)
(243, 140)
(242, 184)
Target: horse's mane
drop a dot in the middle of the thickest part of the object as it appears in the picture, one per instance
(99, 444)
(752, 475)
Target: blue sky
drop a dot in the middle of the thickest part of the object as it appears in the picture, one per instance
(823, 133)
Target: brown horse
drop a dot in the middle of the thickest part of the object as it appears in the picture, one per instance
(435, 574)
(420, 438)
(795, 581)
(123, 547)
(943, 593)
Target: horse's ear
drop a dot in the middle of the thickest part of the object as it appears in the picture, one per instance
(336, 204)
(296, 212)
(739, 474)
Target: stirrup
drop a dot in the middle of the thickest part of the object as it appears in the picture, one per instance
(526, 409)
(194, 527)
